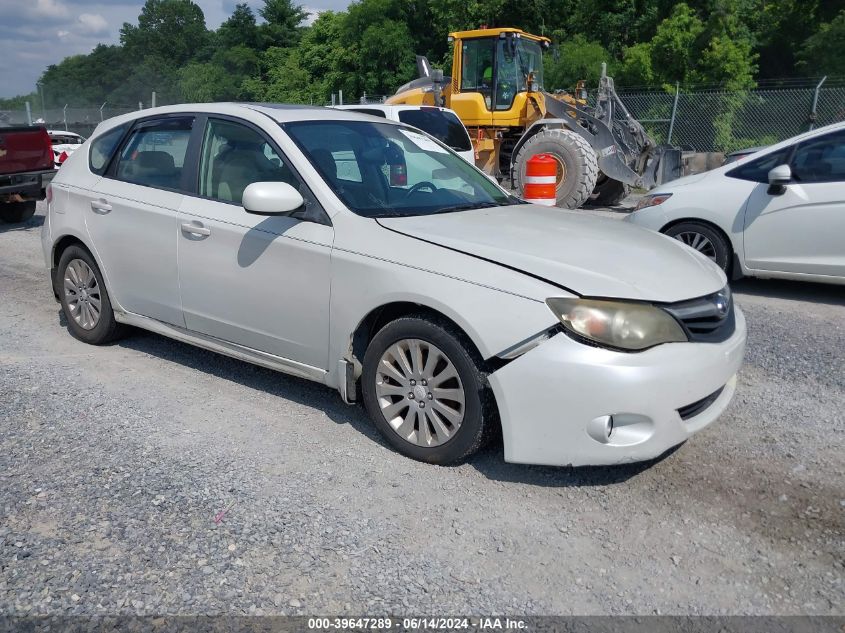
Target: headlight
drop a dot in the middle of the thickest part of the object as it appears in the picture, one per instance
(618, 324)
(652, 200)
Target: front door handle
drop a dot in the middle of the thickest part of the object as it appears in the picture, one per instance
(100, 206)
(195, 229)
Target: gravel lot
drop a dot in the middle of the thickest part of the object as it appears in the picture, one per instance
(114, 462)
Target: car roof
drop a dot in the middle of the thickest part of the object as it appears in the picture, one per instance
(386, 107)
(281, 112)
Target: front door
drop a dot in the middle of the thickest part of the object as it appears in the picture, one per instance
(258, 281)
(802, 230)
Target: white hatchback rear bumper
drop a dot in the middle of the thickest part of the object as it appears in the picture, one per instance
(554, 401)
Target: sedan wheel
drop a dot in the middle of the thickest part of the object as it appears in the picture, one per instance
(85, 300)
(82, 294)
(419, 392)
(699, 242)
(706, 239)
(425, 390)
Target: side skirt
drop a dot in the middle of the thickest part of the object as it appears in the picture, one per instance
(226, 348)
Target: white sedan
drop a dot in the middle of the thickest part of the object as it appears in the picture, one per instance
(778, 213)
(369, 257)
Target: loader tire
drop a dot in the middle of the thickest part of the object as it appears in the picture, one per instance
(609, 192)
(577, 164)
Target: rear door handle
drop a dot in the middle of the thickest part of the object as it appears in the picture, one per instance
(100, 206)
(195, 229)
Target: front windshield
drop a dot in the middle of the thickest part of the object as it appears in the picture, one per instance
(516, 58)
(384, 170)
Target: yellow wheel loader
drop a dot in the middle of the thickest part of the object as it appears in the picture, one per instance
(496, 88)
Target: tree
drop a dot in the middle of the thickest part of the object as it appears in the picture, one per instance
(170, 30)
(822, 53)
(239, 30)
(576, 59)
(283, 20)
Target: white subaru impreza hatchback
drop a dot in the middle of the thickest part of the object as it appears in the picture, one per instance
(368, 256)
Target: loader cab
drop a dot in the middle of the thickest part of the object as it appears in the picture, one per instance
(492, 69)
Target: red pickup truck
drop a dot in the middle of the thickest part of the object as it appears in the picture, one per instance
(26, 168)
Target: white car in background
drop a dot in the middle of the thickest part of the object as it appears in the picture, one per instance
(64, 144)
(778, 213)
(441, 123)
(367, 256)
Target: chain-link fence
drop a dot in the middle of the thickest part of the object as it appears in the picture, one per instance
(80, 120)
(721, 121)
(696, 120)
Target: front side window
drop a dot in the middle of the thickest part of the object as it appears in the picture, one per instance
(758, 169)
(442, 125)
(820, 159)
(234, 156)
(102, 149)
(154, 154)
(384, 170)
(477, 67)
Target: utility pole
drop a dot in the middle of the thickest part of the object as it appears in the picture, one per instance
(41, 92)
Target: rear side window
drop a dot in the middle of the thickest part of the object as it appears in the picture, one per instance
(442, 125)
(102, 149)
(758, 169)
(154, 154)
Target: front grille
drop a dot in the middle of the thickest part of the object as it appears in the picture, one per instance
(692, 410)
(707, 319)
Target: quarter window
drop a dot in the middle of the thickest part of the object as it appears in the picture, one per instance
(102, 149)
(154, 155)
(234, 156)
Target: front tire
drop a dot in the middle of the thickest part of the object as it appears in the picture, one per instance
(578, 166)
(706, 240)
(425, 391)
(84, 298)
(14, 212)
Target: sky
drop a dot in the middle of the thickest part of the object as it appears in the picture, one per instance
(37, 33)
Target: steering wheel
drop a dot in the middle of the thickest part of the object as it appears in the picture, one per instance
(421, 185)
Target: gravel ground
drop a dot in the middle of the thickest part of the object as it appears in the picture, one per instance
(114, 462)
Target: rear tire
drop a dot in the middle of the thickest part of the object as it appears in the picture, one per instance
(575, 156)
(446, 379)
(84, 298)
(609, 192)
(706, 240)
(14, 212)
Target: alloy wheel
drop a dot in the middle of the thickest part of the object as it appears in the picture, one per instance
(82, 294)
(420, 393)
(699, 242)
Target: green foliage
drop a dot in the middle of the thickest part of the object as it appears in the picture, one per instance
(370, 47)
(283, 20)
(824, 52)
(171, 30)
(575, 59)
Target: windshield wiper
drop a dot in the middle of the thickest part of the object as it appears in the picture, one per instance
(467, 207)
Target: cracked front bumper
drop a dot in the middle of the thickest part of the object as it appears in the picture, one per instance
(554, 401)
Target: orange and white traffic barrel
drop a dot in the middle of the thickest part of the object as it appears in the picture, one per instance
(540, 180)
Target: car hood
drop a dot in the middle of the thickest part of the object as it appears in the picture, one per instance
(591, 256)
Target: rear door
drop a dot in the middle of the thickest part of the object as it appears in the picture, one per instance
(802, 230)
(131, 217)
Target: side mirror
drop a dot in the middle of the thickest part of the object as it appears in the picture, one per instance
(272, 198)
(779, 177)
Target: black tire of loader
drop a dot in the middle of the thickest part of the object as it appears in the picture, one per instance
(578, 158)
(609, 192)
